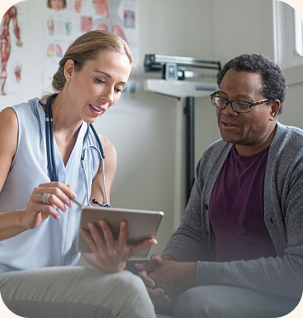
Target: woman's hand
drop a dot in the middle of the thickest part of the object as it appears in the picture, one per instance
(110, 254)
(37, 211)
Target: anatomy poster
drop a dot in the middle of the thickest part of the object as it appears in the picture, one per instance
(65, 20)
(11, 50)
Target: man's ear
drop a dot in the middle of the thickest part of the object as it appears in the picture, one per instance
(69, 67)
(274, 109)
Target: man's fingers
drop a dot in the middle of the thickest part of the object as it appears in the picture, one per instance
(158, 296)
(147, 280)
(155, 292)
(155, 258)
(148, 266)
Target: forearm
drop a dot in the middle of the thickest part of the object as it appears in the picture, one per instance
(188, 271)
(179, 243)
(11, 224)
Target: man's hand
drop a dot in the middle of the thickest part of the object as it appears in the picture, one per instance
(157, 295)
(166, 279)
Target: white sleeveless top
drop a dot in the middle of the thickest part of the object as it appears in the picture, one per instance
(53, 242)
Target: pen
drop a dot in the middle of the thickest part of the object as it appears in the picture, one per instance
(77, 203)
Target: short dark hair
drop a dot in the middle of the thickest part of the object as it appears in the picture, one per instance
(274, 83)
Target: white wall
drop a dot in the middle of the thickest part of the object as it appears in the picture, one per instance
(144, 134)
(146, 139)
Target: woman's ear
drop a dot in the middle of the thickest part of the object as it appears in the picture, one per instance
(274, 109)
(69, 67)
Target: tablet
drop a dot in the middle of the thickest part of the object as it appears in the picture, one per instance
(142, 224)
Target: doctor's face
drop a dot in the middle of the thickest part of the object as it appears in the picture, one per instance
(98, 86)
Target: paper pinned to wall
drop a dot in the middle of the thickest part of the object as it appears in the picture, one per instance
(11, 50)
(66, 21)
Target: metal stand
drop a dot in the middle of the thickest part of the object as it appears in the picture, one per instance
(189, 111)
(186, 92)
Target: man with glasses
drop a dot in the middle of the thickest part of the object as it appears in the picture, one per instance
(239, 249)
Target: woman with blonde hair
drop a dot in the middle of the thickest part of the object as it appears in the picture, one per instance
(42, 144)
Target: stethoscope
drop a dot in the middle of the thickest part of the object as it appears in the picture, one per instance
(51, 164)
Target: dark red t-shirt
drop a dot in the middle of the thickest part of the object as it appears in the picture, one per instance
(237, 209)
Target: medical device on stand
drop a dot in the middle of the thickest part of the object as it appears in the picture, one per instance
(185, 79)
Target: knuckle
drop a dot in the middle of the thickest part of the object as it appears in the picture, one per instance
(35, 190)
(50, 198)
(113, 253)
(49, 209)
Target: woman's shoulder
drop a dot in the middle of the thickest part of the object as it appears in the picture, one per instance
(8, 134)
(8, 119)
(28, 108)
(108, 147)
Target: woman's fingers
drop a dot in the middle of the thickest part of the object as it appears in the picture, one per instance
(44, 209)
(109, 250)
(108, 235)
(58, 191)
(122, 239)
(64, 188)
(53, 201)
(143, 245)
(96, 237)
(91, 243)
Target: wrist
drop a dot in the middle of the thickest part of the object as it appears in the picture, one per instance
(190, 273)
(20, 220)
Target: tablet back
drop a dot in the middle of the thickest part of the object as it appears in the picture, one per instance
(142, 224)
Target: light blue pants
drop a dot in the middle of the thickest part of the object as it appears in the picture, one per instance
(75, 292)
(231, 302)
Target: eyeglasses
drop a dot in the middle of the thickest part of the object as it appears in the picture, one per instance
(237, 106)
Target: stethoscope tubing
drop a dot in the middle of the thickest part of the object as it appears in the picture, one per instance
(51, 164)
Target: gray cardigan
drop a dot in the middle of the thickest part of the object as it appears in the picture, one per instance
(194, 240)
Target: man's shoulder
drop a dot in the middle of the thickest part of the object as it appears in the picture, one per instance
(288, 143)
(289, 135)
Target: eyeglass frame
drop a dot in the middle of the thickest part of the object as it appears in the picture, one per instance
(232, 101)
